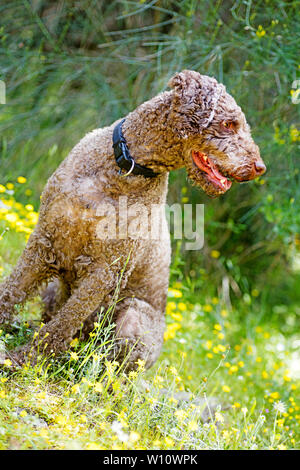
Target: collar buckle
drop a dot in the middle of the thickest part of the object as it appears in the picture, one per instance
(123, 158)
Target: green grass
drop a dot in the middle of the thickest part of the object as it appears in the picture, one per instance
(71, 69)
(234, 356)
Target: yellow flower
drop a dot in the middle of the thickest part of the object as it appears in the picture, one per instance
(74, 356)
(158, 379)
(170, 332)
(294, 132)
(74, 342)
(236, 405)
(217, 327)
(226, 389)
(93, 446)
(215, 254)
(43, 433)
(175, 293)
(173, 400)
(156, 443)
(75, 388)
(21, 179)
(7, 362)
(11, 218)
(2, 188)
(177, 316)
(181, 306)
(134, 436)
(98, 387)
(173, 370)
(260, 32)
(10, 186)
(171, 306)
(2, 394)
(141, 364)
(192, 426)
(169, 442)
(281, 447)
(219, 417)
(226, 434)
(23, 413)
(133, 375)
(207, 308)
(180, 415)
(62, 420)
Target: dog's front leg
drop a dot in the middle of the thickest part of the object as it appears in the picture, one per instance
(25, 280)
(139, 333)
(56, 335)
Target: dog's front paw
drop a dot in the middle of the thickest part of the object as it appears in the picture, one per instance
(14, 359)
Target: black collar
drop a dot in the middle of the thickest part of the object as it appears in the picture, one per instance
(123, 157)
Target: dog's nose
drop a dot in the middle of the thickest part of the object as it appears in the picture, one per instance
(260, 167)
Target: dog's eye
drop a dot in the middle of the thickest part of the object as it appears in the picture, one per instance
(229, 125)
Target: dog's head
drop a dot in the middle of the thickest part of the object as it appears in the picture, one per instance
(218, 146)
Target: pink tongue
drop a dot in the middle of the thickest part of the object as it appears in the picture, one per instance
(211, 170)
(215, 171)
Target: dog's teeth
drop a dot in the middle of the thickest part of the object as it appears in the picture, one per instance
(223, 181)
(205, 158)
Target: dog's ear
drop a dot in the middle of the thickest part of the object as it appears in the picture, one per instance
(186, 84)
(195, 97)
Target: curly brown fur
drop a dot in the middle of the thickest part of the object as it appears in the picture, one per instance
(182, 127)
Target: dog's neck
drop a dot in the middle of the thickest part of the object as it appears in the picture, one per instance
(149, 137)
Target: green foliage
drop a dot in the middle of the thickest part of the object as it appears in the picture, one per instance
(72, 66)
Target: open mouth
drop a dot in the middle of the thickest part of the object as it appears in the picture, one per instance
(203, 162)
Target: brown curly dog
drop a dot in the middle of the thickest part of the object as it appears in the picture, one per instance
(196, 125)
